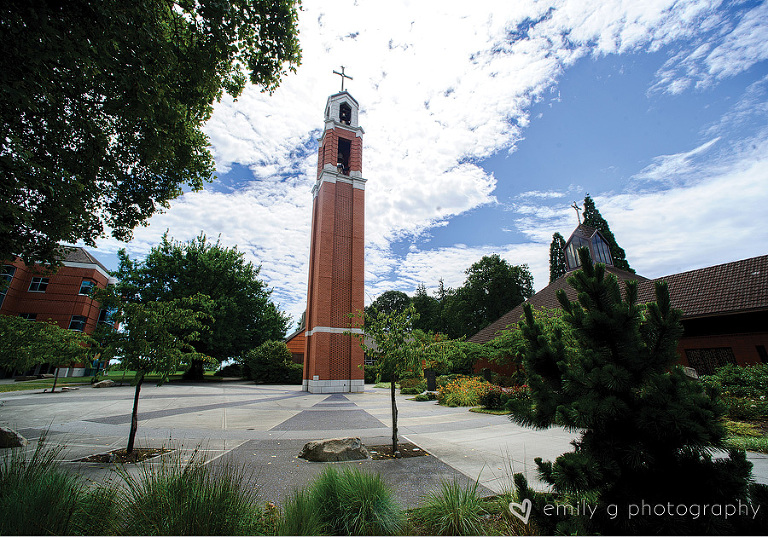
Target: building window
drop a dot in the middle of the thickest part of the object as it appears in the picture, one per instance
(86, 288)
(28, 316)
(106, 315)
(706, 361)
(5, 281)
(38, 285)
(78, 323)
(762, 353)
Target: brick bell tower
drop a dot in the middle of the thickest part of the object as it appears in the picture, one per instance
(333, 357)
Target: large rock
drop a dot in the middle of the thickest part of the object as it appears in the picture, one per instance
(10, 438)
(107, 383)
(334, 449)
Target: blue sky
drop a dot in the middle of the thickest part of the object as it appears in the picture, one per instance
(484, 122)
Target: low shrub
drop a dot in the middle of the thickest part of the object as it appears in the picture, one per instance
(453, 510)
(353, 502)
(519, 400)
(494, 398)
(426, 396)
(413, 386)
(740, 381)
(462, 391)
(746, 408)
(272, 362)
(190, 498)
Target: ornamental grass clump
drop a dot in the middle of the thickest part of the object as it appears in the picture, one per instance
(455, 509)
(190, 498)
(353, 502)
(462, 391)
(38, 497)
(300, 515)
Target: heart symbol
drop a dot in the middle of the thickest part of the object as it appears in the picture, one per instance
(521, 510)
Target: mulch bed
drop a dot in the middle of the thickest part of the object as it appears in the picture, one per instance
(120, 456)
(407, 449)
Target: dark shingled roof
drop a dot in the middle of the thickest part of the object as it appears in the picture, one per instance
(737, 287)
(76, 254)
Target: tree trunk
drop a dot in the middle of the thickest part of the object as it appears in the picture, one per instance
(395, 451)
(55, 378)
(135, 414)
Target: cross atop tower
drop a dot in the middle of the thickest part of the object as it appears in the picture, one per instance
(343, 76)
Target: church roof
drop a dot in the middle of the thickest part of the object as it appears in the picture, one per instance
(584, 231)
(546, 298)
(737, 287)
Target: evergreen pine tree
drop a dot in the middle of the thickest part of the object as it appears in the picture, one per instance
(593, 218)
(556, 257)
(647, 430)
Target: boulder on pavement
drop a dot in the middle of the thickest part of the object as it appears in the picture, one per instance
(334, 449)
(107, 383)
(10, 438)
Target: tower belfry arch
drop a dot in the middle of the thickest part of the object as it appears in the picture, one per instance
(332, 356)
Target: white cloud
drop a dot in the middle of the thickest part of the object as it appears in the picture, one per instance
(674, 168)
(726, 49)
(441, 85)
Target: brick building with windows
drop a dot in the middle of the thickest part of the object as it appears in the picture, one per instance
(63, 297)
(725, 307)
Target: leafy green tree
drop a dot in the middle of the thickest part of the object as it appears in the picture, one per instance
(24, 344)
(428, 310)
(390, 302)
(243, 315)
(557, 266)
(646, 430)
(104, 103)
(389, 338)
(492, 288)
(157, 337)
(593, 218)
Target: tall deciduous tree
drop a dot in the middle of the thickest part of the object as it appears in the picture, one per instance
(428, 310)
(593, 218)
(389, 338)
(243, 315)
(104, 103)
(557, 266)
(390, 302)
(646, 430)
(24, 344)
(157, 337)
(492, 288)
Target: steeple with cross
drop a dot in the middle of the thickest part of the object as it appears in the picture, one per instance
(578, 209)
(343, 75)
(333, 359)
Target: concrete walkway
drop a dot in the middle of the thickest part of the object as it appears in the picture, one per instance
(264, 428)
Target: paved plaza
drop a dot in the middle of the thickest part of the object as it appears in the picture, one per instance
(265, 426)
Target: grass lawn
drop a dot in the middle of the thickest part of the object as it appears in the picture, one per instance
(483, 410)
(41, 384)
